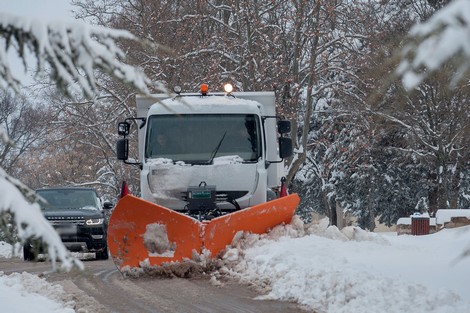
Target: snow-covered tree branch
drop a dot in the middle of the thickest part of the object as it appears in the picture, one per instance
(21, 202)
(70, 51)
(445, 36)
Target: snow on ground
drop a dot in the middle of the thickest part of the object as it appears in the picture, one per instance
(321, 268)
(26, 293)
(355, 271)
(21, 292)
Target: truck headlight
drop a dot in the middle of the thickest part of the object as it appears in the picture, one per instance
(94, 221)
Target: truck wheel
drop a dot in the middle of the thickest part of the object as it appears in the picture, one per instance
(28, 255)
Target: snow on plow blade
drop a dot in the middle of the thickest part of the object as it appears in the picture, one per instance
(140, 230)
(257, 219)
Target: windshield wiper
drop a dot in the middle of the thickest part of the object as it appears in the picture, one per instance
(214, 153)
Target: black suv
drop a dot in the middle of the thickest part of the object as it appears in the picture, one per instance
(79, 219)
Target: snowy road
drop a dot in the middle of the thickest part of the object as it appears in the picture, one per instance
(101, 288)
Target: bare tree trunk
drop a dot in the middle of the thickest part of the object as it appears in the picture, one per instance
(455, 185)
(432, 196)
(302, 156)
(370, 211)
(340, 220)
(332, 215)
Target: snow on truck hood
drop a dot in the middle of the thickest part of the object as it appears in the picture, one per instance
(226, 174)
(167, 181)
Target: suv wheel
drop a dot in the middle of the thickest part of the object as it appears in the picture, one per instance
(102, 255)
(28, 255)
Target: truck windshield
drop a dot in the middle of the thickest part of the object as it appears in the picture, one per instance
(199, 138)
(69, 199)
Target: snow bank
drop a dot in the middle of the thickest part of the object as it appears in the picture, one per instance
(351, 270)
(26, 293)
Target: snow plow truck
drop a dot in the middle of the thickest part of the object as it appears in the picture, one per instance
(211, 165)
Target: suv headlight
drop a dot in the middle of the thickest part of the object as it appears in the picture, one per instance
(94, 221)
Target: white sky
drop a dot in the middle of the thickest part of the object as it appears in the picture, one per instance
(38, 8)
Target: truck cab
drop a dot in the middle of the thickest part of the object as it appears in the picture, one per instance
(208, 154)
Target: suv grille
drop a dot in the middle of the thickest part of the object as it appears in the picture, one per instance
(58, 220)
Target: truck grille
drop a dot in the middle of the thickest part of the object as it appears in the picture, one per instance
(222, 196)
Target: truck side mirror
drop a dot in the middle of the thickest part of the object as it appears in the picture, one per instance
(122, 149)
(123, 128)
(283, 126)
(285, 147)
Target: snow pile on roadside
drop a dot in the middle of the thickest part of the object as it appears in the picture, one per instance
(186, 269)
(19, 291)
(9, 251)
(328, 270)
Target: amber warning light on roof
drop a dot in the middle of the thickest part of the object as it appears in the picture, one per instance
(204, 89)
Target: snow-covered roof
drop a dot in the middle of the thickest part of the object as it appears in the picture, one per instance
(407, 221)
(445, 216)
(214, 104)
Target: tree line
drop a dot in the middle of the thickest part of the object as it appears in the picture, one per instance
(363, 144)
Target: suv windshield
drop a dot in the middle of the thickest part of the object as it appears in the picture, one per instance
(70, 199)
(199, 138)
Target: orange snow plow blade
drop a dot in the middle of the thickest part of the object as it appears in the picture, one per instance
(258, 219)
(139, 230)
